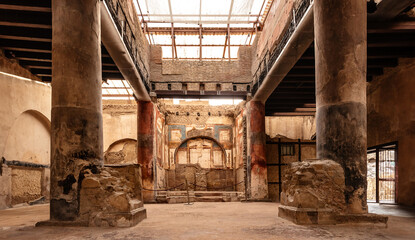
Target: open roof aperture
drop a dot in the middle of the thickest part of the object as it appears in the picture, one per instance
(201, 29)
(194, 30)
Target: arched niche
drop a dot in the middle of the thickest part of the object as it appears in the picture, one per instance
(214, 157)
(121, 152)
(28, 139)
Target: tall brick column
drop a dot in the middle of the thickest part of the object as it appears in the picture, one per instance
(256, 150)
(341, 52)
(76, 129)
(145, 147)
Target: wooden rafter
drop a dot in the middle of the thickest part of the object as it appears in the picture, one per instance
(224, 48)
(200, 41)
(173, 37)
(195, 31)
(229, 43)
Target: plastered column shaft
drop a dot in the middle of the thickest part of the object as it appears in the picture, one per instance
(340, 49)
(145, 147)
(256, 150)
(76, 131)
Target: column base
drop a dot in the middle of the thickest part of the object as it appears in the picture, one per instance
(129, 219)
(313, 193)
(310, 216)
(307, 216)
(110, 197)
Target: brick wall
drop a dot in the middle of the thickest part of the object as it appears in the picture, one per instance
(194, 71)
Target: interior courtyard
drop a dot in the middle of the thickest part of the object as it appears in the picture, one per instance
(207, 119)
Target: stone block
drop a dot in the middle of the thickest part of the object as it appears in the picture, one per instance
(111, 197)
(313, 193)
(317, 184)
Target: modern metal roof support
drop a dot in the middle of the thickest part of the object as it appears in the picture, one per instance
(299, 42)
(116, 48)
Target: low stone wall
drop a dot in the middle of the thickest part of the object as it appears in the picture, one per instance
(23, 183)
(5, 186)
(26, 185)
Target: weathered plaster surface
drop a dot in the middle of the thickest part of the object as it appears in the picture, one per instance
(257, 150)
(146, 146)
(122, 152)
(24, 125)
(119, 121)
(77, 136)
(391, 117)
(298, 127)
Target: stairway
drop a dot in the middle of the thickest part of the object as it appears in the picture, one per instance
(199, 196)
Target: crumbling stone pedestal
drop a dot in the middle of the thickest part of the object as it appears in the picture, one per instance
(110, 196)
(313, 192)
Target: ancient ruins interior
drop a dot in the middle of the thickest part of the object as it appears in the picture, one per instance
(207, 119)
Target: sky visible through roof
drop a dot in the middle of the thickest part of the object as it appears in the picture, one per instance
(204, 14)
(195, 30)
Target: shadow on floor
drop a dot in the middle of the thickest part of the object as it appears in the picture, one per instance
(391, 210)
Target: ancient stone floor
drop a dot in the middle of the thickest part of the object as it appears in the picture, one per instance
(233, 220)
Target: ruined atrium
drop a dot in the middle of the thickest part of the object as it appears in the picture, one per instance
(207, 119)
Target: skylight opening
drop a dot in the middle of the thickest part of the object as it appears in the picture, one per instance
(116, 90)
(198, 29)
(211, 102)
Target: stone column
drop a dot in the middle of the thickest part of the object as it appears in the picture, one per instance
(76, 131)
(340, 49)
(256, 150)
(145, 147)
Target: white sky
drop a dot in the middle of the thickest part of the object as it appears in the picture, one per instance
(212, 102)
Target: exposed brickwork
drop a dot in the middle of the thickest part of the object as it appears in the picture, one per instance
(195, 72)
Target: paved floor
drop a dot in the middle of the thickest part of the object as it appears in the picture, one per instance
(202, 221)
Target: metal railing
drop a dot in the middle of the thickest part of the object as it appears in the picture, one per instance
(271, 57)
(129, 39)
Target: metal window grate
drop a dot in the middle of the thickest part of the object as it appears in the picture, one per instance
(287, 149)
(382, 173)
